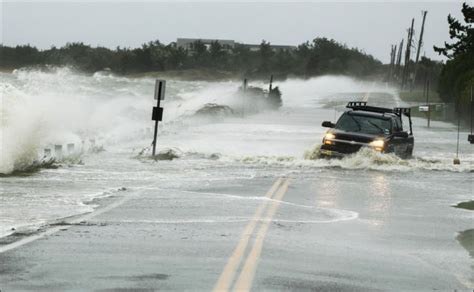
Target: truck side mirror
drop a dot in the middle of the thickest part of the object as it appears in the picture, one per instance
(401, 134)
(328, 124)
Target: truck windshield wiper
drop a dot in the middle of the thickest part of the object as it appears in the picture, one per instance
(356, 121)
(376, 126)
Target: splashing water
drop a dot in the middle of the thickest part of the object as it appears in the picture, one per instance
(42, 108)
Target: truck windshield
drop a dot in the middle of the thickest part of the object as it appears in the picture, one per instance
(364, 124)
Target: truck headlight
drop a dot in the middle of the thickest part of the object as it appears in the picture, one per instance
(377, 144)
(328, 137)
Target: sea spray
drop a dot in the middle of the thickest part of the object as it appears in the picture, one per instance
(21, 130)
(59, 106)
(334, 90)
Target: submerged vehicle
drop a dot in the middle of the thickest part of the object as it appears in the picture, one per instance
(257, 97)
(367, 126)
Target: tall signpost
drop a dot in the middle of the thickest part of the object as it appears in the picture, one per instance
(157, 114)
(470, 137)
(456, 160)
(428, 101)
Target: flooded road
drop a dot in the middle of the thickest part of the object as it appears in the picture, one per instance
(242, 206)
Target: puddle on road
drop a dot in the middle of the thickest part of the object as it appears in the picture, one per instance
(466, 239)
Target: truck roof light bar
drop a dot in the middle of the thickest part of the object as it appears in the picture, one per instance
(352, 104)
(362, 105)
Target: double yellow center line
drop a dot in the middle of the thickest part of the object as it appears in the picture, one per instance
(245, 278)
(367, 94)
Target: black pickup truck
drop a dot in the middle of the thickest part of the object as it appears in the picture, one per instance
(367, 126)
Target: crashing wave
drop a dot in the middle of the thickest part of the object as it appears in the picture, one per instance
(215, 110)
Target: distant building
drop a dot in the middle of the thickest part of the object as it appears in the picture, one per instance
(186, 44)
(275, 48)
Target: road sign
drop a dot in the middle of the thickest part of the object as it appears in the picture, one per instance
(157, 114)
(424, 108)
(160, 86)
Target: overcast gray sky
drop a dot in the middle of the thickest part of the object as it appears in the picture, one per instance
(371, 26)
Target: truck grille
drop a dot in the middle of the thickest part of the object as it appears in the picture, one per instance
(346, 148)
(341, 147)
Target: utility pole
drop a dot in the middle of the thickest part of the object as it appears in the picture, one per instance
(407, 54)
(420, 44)
(399, 59)
(393, 53)
(244, 86)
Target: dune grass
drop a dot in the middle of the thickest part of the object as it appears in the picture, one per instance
(469, 205)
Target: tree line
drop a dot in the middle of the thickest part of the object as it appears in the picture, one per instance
(318, 57)
(457, 75)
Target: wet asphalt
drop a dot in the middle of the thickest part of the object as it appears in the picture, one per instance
(315, 231)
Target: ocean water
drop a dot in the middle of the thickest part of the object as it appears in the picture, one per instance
(108, 120)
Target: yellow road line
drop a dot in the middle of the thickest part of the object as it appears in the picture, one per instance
(228, 274)
(367, 94)
(244, 282)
